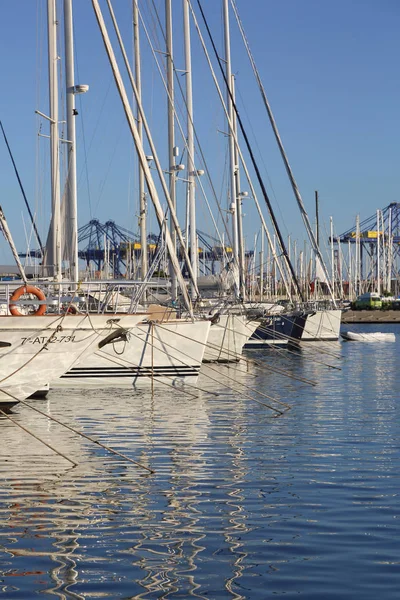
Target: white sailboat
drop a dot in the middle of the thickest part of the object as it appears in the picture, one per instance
(169, 353)
(322, 325)
(228, 335)
(37, 349)
(167, 350)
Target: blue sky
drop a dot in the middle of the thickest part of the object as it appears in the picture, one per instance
(330, 70)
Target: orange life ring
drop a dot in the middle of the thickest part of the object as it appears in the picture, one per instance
(27, 289)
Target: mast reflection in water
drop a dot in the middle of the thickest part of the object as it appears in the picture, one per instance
(241, 505)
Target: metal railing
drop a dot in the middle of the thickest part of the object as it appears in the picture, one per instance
(85, 296)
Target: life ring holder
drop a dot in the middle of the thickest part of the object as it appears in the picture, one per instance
(21, 291)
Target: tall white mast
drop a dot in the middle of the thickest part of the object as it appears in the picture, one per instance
(71, 212)
(389, 254)
(139, 148)
(190, 144)
(142, 193)
(54, 140)
(378, 253)
(340, 268)
(238, 202)
(228, 74)
(350, 270)
(384, 262)
(332, 257)
(171, 130)
(357, 285)
(284, 157)
(262, 266)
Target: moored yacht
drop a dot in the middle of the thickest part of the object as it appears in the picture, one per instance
(37, 349)
(322, 325)
(229, 333)
(278, 330)
(169, 352)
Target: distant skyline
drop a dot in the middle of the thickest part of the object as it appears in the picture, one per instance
(329, 69)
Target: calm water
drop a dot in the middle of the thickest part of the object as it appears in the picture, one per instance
(241, 505)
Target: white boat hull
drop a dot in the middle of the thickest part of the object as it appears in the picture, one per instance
(323, 325)
(373, 337)
(43, 348)
(227, 338)
(168, 353)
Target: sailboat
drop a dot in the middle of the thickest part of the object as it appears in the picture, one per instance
(324, 322)
(230, 326)
(36, 347)
(161, 350)
(40, 338)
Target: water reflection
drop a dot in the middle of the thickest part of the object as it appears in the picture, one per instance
(241, 505)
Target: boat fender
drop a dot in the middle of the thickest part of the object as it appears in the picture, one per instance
(21, 291)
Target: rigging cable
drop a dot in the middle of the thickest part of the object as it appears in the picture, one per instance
(270, 242)
(22, 190)
(283, 154)
(252, 158)
(199, 150)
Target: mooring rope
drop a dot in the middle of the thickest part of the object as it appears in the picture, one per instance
(130, 363)
(253, 361)
(208, 366)
(36, 437)
(87, 437)
(84, 435)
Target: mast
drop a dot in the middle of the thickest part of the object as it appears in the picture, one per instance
(55, 240)
(357, 279)
(228, 75)
(262, 266)
(239, 196)
(389, 254)
(288, 168)
(340, 267)
(316, 218)
(378, 253)
(71, 212)
(288, 264)
(332, 256)
(190, 145)
(142, 193)
(384, 263)
(142, 157)
(171, 130)
(350, 270)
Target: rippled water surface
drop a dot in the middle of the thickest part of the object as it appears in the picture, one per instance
(243, 503)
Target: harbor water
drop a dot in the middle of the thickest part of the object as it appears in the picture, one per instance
(243, 503)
